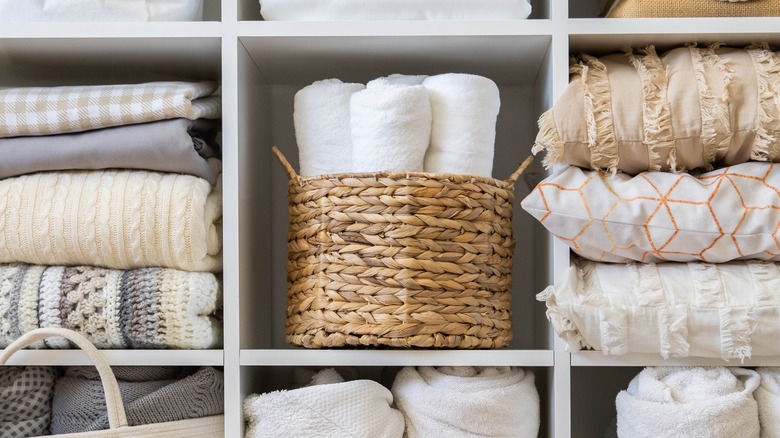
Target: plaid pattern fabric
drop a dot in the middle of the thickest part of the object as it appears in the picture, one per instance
(58, 110)
(25, 401)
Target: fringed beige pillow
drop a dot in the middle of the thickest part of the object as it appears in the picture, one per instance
(692, 8)
(692, 107)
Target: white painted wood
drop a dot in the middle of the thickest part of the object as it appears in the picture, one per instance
(120, 357)
(369, 358)
(597, 359)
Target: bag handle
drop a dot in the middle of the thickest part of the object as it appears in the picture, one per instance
(288, 169)
(116, 409)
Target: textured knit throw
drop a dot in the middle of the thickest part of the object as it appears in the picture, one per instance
(118, 219)
(141, 308)
(25, 400)
(693, 107)
(57, 110)
(79, 404)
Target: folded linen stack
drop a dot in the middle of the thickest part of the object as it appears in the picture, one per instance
(671, 402)
(648, 126)
(467, 402)
(442, 124)
(150, 395)
(125, 177)
(328, 408)
(101, 10)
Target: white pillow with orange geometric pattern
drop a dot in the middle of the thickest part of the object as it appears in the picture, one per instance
(727, 214)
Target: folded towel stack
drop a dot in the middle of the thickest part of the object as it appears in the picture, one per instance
(467, 402)
(101, 10)
(351, 10)
(150, 395)
(327, 408)
(670, 402)
(125, 177)
(444, 123)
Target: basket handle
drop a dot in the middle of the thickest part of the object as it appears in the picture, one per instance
(520, 169)
(116, 409)
(286, 166)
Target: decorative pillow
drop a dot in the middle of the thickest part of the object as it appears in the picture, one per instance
(727, 214)
(693, 107)
(693, 8)
(729, 310)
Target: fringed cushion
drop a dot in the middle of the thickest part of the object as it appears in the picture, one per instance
(727, 311)
(727, 214)
(691, 108)
(693, 8)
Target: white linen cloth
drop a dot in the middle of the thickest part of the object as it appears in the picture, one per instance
(101, 10)
(675, 402)
(464, 109)
(356, 10)
(328, 408)
(726, 310)
(321, 118)
(466, 402)
(391, 127)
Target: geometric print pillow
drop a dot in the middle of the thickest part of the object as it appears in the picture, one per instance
(25, 400)
(731, 213)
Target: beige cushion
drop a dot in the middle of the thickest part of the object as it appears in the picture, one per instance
(693, 8)
(692, 107)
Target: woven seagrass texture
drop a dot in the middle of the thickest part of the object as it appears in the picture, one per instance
(400, 260)
(694, 8)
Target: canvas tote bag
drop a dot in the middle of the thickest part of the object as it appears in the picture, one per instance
(206, 427)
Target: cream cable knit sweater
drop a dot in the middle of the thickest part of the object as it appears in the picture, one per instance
(116, 218)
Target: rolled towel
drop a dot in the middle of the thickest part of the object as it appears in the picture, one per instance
(669, 402)
(321, 118)
(768, 398)
(391, 127)
(465, 108)
(329, 408)
(467, 401)
(397, 78)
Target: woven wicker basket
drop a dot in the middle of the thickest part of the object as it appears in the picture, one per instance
(692, 8)
(399, 259)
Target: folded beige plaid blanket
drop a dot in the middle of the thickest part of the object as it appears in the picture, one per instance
(139, 308)
(121, 219)
(58, 110)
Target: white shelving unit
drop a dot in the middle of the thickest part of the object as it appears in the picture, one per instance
(260, 66)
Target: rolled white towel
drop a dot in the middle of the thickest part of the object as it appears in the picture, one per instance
(397, 78)
(328, 408)
(465, 108)
(467, 401)
(321, 118)
(671, 402)
(768, 399)
(391, 127)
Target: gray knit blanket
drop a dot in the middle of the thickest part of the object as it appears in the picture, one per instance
(140, 308)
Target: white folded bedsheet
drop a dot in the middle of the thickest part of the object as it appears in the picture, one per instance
(352, 10)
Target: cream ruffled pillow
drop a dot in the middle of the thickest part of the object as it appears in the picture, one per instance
(693, 107)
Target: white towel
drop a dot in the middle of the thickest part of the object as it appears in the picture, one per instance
(101, 10)
(457, 402)
(465, 108)
(329, 408)
(349, 10)
(397, 78)
(674, 402)
(768, 399)
(321, 118)
(391, 127)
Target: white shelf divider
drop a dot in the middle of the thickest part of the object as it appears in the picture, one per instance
(597, 359)
(120, 357)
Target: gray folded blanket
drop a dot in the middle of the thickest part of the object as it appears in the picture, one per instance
(79, 404)
(25, 400)
(175, 146)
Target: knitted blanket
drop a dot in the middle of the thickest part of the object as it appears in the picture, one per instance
(79, 404)
(141, 308)
(120, 219)
(57, 110)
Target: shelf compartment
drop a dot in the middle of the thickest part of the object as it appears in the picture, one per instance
(281, 357)
(120, 357)
(273, 69)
